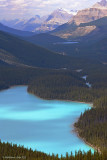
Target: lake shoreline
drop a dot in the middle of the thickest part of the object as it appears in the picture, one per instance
(76, 130)
(65, 100)
(90, 103)
(12, 86)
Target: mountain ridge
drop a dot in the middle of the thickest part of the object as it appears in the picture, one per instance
(41, 24)
(15, 31)
(72, 29)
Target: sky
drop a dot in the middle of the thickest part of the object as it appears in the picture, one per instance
(25, 9)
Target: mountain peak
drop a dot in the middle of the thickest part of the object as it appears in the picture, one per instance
(74, 12)
(37, 16)
(101, 5)
(59, 16)
(62, 10)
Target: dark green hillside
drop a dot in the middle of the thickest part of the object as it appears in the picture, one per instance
(92, 125)
(27, 53)
(101, 45)
(97, 76)
(83, 51)
(91, 49)
(44, 39)
(99, 49)
(32, 55)
(65, 28)
(56, 86)
(24, 76)
(68, 85)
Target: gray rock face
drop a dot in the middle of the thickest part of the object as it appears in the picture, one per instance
(97, 11)
(88, 15)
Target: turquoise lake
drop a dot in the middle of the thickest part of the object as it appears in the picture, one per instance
(44, 125)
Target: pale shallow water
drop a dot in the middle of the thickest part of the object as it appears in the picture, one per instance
(40, 124)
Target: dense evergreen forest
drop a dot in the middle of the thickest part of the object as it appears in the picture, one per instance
(64, 87)
(92, 125)
(10, 76)
(19, 152)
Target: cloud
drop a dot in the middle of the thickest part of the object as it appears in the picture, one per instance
(28, 8)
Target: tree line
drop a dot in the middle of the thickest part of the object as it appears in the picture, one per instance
(12, 151)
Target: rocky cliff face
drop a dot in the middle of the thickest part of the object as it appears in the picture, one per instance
(79, 32)
(73, 29)
(97, 11)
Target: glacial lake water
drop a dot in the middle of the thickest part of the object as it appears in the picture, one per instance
(44, 125)
(66, 43)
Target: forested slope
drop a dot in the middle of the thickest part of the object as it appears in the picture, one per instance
(31, 54)
(92, 125)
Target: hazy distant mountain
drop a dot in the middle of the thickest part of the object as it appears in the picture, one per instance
(16, 24)
(15, 31)
(41, 24)
(9, 23)
(72, 28)
(25, 25)
(34, 23)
